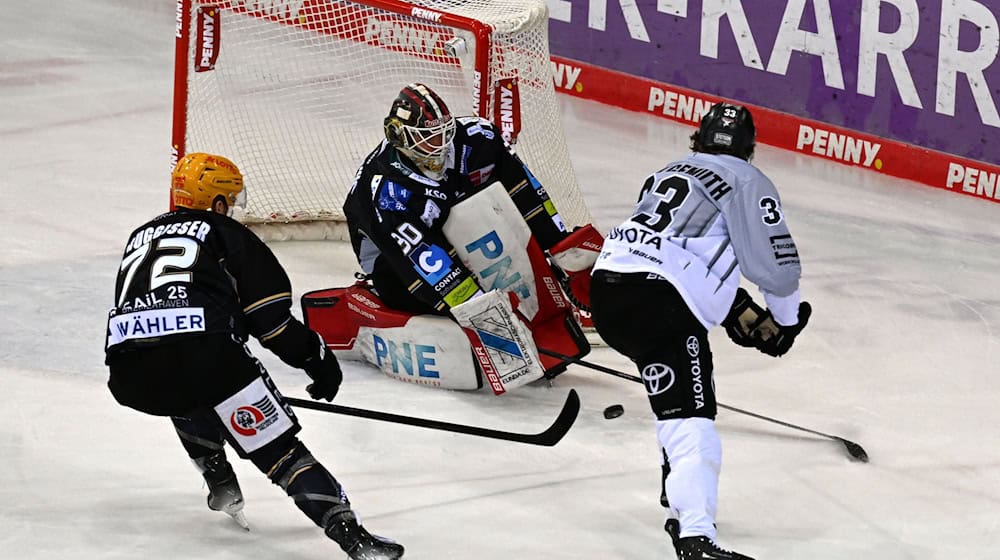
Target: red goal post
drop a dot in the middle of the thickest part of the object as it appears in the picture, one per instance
(294, 91)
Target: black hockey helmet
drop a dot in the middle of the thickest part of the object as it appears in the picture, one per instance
(726, 129)
(420, 124)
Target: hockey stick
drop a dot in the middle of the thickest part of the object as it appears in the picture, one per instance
(853, 449)
(549, 437)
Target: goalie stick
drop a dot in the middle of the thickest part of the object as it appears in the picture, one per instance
(856, 452)
(549, 437)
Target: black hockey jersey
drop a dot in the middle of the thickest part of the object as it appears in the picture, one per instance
(193, 272)
(396, 213)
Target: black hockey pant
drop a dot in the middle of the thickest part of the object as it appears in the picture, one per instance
(647, 320)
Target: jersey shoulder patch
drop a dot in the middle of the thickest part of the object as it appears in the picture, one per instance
(393, 197)
(472, 127)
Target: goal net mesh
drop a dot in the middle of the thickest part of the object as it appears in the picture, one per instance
(295, 91)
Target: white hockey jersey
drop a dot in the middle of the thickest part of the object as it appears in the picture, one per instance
(699, 223)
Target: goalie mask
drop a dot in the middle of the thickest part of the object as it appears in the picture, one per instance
(420, 125)
(199, 179)
(726, 129)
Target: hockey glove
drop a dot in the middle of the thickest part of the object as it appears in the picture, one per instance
(743, 318)
(325, 373)
(574, 256)
(776, 340)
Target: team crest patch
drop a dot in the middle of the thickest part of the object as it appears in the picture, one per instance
(249, 420)
(253, 416)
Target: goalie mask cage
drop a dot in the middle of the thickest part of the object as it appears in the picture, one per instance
(295, 91)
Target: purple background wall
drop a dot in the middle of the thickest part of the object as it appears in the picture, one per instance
(672, 55)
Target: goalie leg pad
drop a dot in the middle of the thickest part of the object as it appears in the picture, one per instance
(492, 240)
(428, 350)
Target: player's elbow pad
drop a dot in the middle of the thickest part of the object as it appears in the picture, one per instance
(294, 344)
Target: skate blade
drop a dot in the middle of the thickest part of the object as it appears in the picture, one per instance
(240, 520)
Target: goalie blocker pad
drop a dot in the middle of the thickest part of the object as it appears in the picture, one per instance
(424, 350)
(500, 341)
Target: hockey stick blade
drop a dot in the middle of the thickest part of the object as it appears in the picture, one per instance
(549, 437)
(856, 452)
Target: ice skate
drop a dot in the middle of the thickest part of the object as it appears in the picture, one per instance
(702, 548)
(357, 542)
(672, 526)
(224, 492)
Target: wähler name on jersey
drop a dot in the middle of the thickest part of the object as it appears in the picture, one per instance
(156, 323)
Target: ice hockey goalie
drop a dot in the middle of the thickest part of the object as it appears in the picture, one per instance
(493, 336)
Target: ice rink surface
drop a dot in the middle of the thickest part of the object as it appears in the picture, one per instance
(900, 356)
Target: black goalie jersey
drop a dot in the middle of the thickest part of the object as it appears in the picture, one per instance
(193, 272)
(396, 213)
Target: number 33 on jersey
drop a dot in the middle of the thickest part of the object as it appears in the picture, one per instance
(702, 221)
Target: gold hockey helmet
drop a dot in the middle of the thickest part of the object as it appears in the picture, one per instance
(199, 179)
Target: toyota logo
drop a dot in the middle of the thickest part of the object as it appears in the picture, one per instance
(693, 346)
(657, 378)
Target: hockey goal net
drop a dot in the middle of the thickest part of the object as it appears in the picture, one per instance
(295, 91)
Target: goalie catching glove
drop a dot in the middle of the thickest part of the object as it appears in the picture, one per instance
(748, 325)
(575, 256)
(324, 370)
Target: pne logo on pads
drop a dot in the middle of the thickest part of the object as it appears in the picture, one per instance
(405, 358)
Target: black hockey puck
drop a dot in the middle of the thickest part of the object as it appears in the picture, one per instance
(614, 411)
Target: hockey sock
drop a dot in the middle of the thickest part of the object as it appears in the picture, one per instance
(315, 491)
(199, 435)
